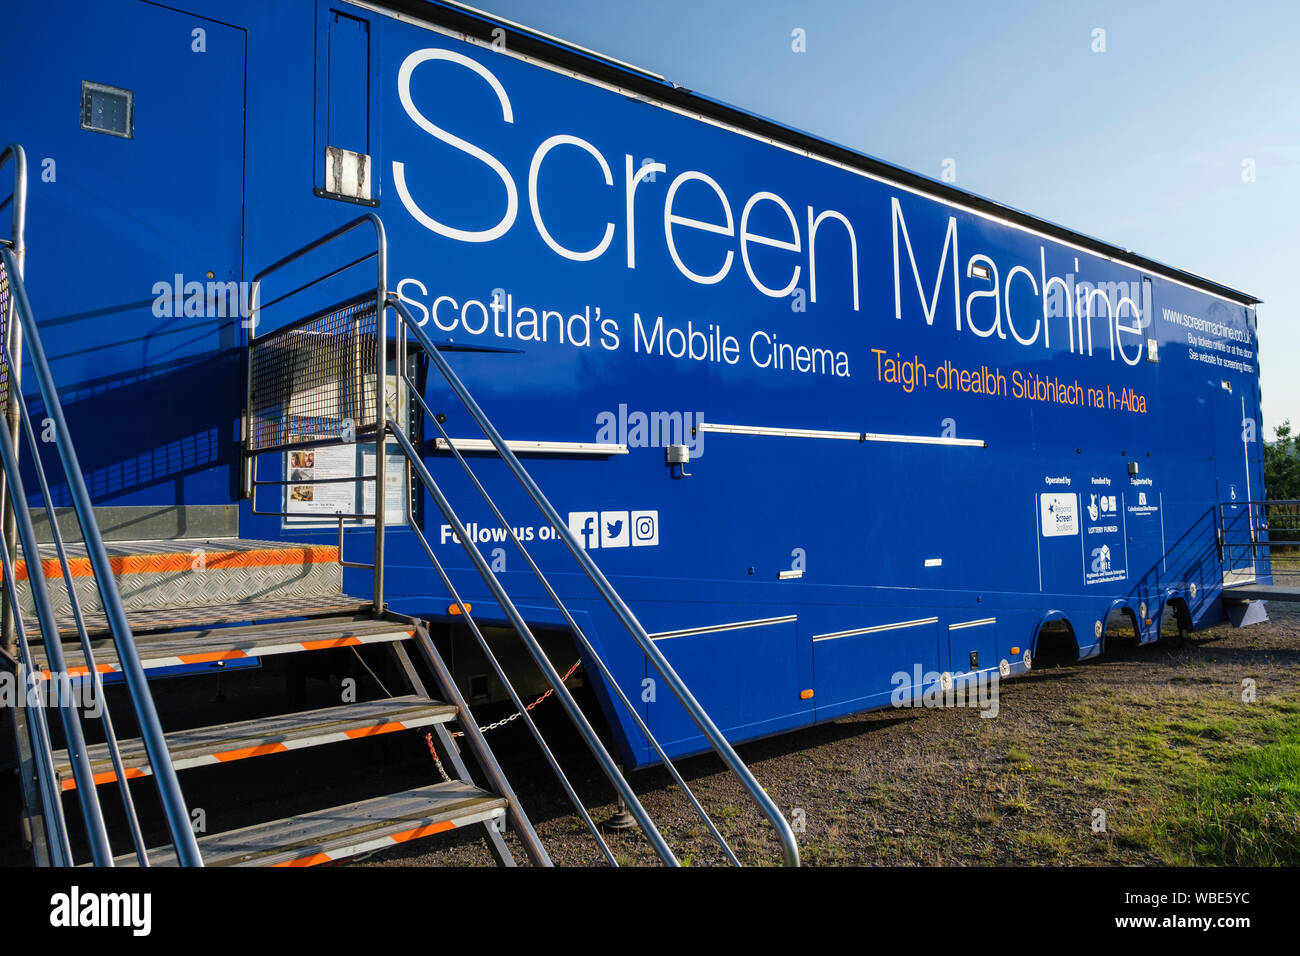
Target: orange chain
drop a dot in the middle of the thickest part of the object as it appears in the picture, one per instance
(433, 751)
(505, 720)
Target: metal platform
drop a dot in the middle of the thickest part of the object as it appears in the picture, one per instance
(191, 572)
(1262, 592)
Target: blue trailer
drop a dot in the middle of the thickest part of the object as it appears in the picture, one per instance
(810, 433)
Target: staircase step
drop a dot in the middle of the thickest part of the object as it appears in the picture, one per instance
(173, 618)
(226, 743)
(341, 832)
(218, 644)
(191, 572)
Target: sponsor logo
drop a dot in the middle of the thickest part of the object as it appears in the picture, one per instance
(1060, 514)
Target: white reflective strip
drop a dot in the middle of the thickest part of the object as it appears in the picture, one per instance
(537, 447)
(983, 620)
(715, 628)
(777, 432)
(876, 629)
(838, 436)
(926, 440)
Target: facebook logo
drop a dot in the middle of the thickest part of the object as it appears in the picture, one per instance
(585, 526)
(614, 529)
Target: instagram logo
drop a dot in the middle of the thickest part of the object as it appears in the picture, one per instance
(645, 528)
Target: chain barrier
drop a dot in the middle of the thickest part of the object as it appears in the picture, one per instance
(437, 761)
(433, 751)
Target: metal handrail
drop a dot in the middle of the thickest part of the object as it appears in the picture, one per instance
(380, 255)
(1259, 532)
(572, 624)
(562, 693)
(15, 154)
(60, 682)
(96, 679)
(513, 694)
(56, 826)
(137, 684)
(597, 578)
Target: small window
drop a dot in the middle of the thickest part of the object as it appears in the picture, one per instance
(107, 109)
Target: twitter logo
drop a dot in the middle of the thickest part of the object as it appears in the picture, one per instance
(614, 529)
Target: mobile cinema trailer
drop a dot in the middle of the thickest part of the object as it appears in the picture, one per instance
(835, 432)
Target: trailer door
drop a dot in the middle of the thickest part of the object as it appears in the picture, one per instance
(135, 227)
(1232, 470)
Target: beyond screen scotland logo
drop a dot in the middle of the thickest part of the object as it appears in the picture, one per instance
(615, 529)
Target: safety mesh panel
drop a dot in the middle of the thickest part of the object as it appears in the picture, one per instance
(313, 379)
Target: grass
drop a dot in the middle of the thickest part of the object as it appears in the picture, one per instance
(1247, 812)
(1190, 779)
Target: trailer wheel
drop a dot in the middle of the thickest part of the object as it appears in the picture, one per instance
(1055, 645)
(1174, 627)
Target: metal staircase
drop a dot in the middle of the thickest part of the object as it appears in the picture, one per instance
(112, 619)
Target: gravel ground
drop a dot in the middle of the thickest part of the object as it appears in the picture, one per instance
(944, 786)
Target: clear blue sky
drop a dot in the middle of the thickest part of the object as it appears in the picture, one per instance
(1141, 145)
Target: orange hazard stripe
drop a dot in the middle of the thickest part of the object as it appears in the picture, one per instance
(427, 830)
(387, 728)
(330, 642)
(212, 656)
(255, 751)
(81, 671)
(107, 776)
(184, 561)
